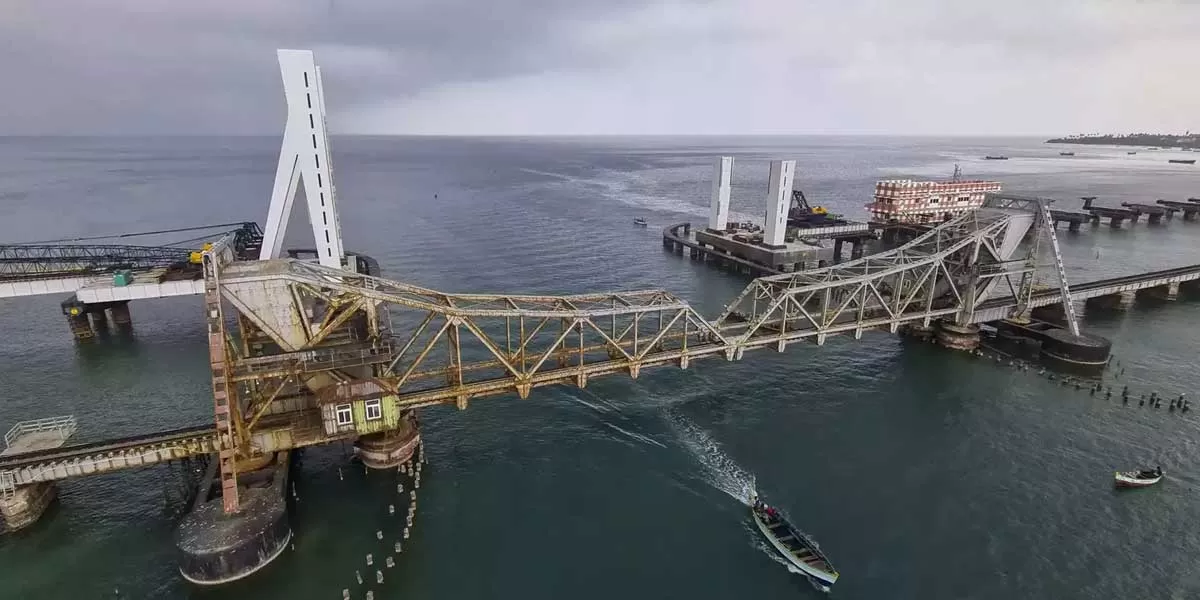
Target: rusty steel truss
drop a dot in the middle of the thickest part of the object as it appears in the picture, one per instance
(944, 273)
(286, 333)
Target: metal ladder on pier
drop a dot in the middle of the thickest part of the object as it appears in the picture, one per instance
(1064, 289)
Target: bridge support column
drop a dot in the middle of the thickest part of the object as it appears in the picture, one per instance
(24, 506)
(99, 318)
(1117, 301)
(1055, 313)
(216, 547)
(120, 315)
(958, 337)
(77, 319)
(389, 449)
(1083, 352)
(1169, 291)
(918, 330)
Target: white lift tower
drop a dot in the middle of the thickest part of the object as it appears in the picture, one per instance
(304, 157)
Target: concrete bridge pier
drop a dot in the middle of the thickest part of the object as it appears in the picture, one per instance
(216, 547)
(918, 330)
(1169, 291)
(23, 506)
(77, 319)
(1117, 301)
(1055, 313)
(389, 449)
(958, 337)
(120, 315)
(1084, 352)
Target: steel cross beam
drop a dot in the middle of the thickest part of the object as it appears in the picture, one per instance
(942, 273)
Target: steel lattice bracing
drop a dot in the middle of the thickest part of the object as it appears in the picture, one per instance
(452, 347)
(943, 273)
(45, 261)
(288, 335)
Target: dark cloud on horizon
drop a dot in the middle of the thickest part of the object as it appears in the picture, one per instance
(623, 66)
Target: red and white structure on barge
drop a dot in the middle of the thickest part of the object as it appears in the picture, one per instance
(919, 202)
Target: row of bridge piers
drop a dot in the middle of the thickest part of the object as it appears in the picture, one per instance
(1128, 211)
(86, 321)
(1043, 325)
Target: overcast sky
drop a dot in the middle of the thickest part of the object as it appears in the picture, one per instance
(606, 66)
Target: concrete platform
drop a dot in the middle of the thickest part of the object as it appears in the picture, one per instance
(41, 434)
(791, 253)
(100, 288)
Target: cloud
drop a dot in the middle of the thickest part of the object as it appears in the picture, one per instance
(613, 66)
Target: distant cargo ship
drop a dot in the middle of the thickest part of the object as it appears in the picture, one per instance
(1182, 161)
(908, 201)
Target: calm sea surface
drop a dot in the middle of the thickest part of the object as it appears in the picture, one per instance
(923, 473)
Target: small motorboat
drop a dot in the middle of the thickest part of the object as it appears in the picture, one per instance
(1132, 152)
(1143, 478)
(640, 222)
(990, 157)
(1066, 154)
(799, 549)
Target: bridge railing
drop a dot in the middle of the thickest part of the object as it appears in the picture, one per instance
(64, 426)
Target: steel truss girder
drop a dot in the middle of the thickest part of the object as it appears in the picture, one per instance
(452, 347)
(455, 347)
(942, 273)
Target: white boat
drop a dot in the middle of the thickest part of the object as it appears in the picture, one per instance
(799, 550)
(639, 221)
(1134, 479)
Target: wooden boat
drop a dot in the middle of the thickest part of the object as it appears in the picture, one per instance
(1182, 161)
(799, 550)
(639, 221)
(1135, 479)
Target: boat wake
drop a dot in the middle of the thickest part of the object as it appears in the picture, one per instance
(634, 435)
(720, 470)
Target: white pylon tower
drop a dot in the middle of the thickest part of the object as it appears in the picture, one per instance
(304, 157)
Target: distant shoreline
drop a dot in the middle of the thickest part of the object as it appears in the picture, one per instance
(1145, 140)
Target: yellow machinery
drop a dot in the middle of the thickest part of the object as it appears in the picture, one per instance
(197, 257)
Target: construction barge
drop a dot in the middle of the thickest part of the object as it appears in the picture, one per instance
(798, 235)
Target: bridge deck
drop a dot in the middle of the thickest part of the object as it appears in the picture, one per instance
(726, 338)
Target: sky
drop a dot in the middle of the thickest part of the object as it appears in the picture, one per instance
(570, 67)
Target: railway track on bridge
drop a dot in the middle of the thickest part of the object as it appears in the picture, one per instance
(106, 455)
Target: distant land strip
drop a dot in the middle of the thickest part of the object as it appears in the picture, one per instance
(1149, 140)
